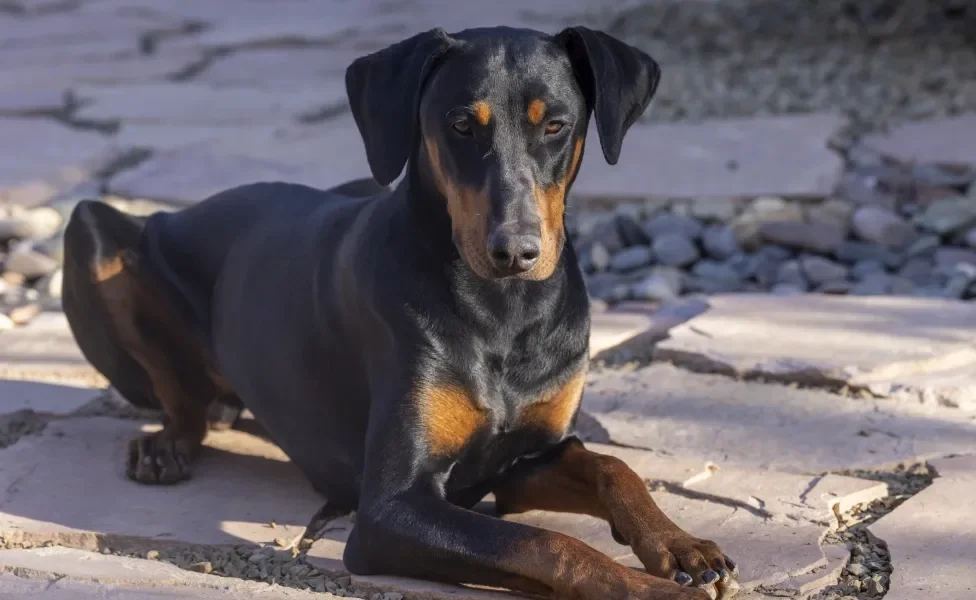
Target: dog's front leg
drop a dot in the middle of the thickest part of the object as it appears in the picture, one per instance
(574, 479)
(405, 525)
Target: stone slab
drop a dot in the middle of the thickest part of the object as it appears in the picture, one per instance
(45, 398)
(57, 158)
(270, 68)
(70, 574)
(58, 71)
(184, 176)
(187, 103)
(921, 350)
(638, 324)
(45, 351)
(777, 156)
(242, 484)
(748, 424)
(932, 537)
(950, 140)
(27, 100)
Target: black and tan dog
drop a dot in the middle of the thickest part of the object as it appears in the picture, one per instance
(411, 350)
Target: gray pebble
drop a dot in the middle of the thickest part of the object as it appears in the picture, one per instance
(923, 246)
(970, 238)
(791, 273)
(881, 226)
(872, 284)
(948, 215)
(631, 258)
(786, 289)
(815, 237)
(669, 223)
(862, 187)
(674, 249)
(630, 231)
(857, 570)
(599, 257)
(917, 270)
(833, 212)
(850, 252)
(723, 274)
(606, 234)
(719, 241)
(838, 286)
(30, 263)
(935, 175)
(658, 286)
(950, 257)
(819, 270)
(862, 267)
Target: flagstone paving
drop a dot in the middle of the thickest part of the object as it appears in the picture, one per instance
(747, 415)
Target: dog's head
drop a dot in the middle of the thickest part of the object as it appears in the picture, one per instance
(496, 119)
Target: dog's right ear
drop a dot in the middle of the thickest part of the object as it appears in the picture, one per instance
(384, 90)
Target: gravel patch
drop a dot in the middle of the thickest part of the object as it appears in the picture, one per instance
(879, 61)
(868, 573)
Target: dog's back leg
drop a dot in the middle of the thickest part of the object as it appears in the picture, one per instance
(135, 339)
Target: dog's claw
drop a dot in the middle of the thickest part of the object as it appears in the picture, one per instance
(682, 578)
(709, 576)
(154, 460)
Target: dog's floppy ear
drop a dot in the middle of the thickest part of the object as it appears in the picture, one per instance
(384, 91)
(617, 79)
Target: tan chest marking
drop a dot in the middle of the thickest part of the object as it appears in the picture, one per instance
(449, 417)
(554, 411)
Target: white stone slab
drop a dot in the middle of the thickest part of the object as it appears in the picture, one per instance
(763, 156)
(950, 140)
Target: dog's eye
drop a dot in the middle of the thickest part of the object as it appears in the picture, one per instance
(554, 127)
(462, 127)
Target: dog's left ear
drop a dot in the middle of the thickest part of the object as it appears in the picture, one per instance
(384, 90)
(617, 79)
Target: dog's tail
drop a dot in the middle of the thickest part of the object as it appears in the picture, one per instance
(96, 234)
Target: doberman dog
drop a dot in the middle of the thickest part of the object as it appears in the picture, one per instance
(415, 349)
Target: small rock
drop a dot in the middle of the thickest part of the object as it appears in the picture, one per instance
(836, 287)
(819, 270)
(671, 223)
(715, 210)
(599, 257)
(917, 269)
(935, 175)
(948, 216)
(30, 263)
(950, 257)
(22, 315)
(883, 227)
(204, 567)
(51, 284)
(392, 596)
(850, 252)
(872, 284)
(630, 231)
(606, 234)
(923, 246)
(927, 194)
(970, 238)
(719, 241)
(857, 570)
(814, 237)
(832, 212)
(863, 267)
(765, 264)
(864, 187)
(791, 273)
(786, 289)
(631, 258)
(874, 587)
(722, 276)
(674, 249)
(659, 286)
(742, 263)
(765, 209)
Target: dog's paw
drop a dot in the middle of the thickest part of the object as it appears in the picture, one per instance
(155, 460)
(691, 562)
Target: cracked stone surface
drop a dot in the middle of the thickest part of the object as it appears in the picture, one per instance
(950, 141)
(781, 156)
(58, 573)
(920, 350)
(57, 159)
(637, 324)
(932, 536)
(45, 351)
(242, 484)
(184, 176)
(197, 104)
(767, 426)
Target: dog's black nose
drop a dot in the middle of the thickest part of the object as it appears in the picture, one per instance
(514, 253)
